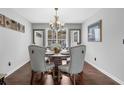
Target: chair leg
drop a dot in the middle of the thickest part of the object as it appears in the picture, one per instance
(42, 75)
(81, 77)
(52, 73)
(74, 79)
(32, 76)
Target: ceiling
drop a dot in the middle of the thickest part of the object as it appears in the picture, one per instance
(66, 15)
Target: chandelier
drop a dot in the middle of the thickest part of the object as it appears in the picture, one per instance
(56, 25)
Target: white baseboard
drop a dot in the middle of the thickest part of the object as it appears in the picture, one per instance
(108, 74)
(16, 68)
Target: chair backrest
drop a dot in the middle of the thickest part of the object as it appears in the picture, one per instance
(77, 55)
(37, 56)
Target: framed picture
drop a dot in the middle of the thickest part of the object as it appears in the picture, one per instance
(14, 25)
(38, 34)
(11, 24)
(7, 22)
(74, 37)
(2, 19)
(95, 32)
(21, 28)
(39, 37)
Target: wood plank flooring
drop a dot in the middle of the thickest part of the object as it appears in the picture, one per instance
(90, 76)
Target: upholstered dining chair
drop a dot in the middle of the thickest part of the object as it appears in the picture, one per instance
(38, 64)
(75, 66)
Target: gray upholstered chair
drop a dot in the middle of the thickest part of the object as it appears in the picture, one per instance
(38, 64)
(75, 66)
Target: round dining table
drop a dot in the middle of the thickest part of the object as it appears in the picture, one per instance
(57, 60)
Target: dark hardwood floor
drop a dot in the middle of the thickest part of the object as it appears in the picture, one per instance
(90, 76)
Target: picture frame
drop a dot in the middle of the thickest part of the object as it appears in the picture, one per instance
(39, 35)
(2, 20)
(14, 25)
(95, 32)
(21, 28)
(7, 22)
(74, 36)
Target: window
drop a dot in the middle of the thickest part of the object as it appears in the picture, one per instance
(57, 37)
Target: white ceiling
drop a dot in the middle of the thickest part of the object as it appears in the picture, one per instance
(45, 15)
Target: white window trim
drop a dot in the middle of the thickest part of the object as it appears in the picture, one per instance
(46, 37)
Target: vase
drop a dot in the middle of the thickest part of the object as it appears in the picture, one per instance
(56, 50)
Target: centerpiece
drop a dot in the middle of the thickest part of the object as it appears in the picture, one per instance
(56, 48)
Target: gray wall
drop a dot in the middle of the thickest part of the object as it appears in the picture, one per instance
(14, 44)
(39, 25)
(67, 25)
(46, 25)
(110, 52)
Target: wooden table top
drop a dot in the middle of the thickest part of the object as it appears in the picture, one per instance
(61, 54)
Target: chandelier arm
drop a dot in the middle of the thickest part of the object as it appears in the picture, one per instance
(56, 25)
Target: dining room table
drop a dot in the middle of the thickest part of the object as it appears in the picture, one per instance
(57, 58)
